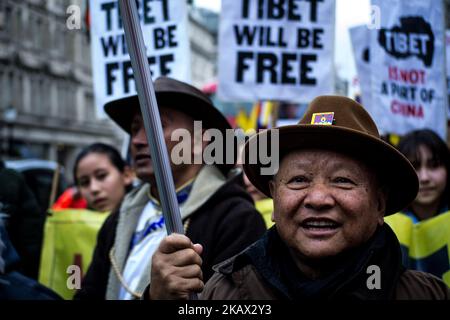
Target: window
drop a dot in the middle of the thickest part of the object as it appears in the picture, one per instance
(58, 39)
(37, 96)
(66, 100)
(30, 29)
(69, 39)
(51, 35)
(17, 22)
(52, 91)
(16, 79)
(71, 103)
(44, 84)
(37, 33)
(8, 89)
(45, 33)
(89, 107)
(61, 106)
(2, 16)
(6, 19)
(3, 88)
(86, 52)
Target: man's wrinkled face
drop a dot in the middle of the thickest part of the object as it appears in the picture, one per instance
(325, 203)
(171, 120)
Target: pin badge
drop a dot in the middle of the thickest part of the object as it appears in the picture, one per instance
(323, 118)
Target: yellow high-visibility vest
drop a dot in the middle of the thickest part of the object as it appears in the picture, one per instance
(265, 207)
(426, 244)
(70, 237)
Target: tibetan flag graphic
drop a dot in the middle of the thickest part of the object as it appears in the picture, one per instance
(324, 118)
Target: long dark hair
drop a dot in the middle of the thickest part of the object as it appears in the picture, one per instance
(409, 146)
(111, 152)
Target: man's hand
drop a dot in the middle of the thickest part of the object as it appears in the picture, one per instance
(176, 268)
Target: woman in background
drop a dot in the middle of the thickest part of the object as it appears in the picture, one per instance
(423, 228)
(102, 176)
(430, 156)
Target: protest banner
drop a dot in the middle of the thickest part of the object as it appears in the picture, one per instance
(70, 236)
(276, 50)
(408, 67)
(164, 25)
(426, 244)
(360, 39)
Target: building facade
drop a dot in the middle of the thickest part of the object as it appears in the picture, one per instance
(47, 106)
(203, 30)
(46, 95)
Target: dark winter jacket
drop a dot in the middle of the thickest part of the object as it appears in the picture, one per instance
(265, 271)
(23, 219)
(13, 284)
(225, 223)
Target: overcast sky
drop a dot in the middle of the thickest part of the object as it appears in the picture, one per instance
(349, 13)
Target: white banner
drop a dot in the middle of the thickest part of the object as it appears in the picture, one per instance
(276, 50)
(408, 75)
(164, 26)
(360, 38)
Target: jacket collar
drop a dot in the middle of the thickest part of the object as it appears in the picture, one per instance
(270, 258)
(206, 184)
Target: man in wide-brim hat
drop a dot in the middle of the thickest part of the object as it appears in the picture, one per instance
(336, 181)
(216, 211)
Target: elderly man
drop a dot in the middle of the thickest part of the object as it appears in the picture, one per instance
(216, 211)
(337, 180)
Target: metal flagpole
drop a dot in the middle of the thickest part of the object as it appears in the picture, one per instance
(150, 115)
(152, 121)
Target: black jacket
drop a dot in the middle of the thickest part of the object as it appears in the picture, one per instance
(23, 219)
(14, 285)
(225, 225)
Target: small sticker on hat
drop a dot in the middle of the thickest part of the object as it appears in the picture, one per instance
(323, 118)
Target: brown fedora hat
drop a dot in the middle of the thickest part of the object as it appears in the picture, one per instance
(176, 95)
(341, 124)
